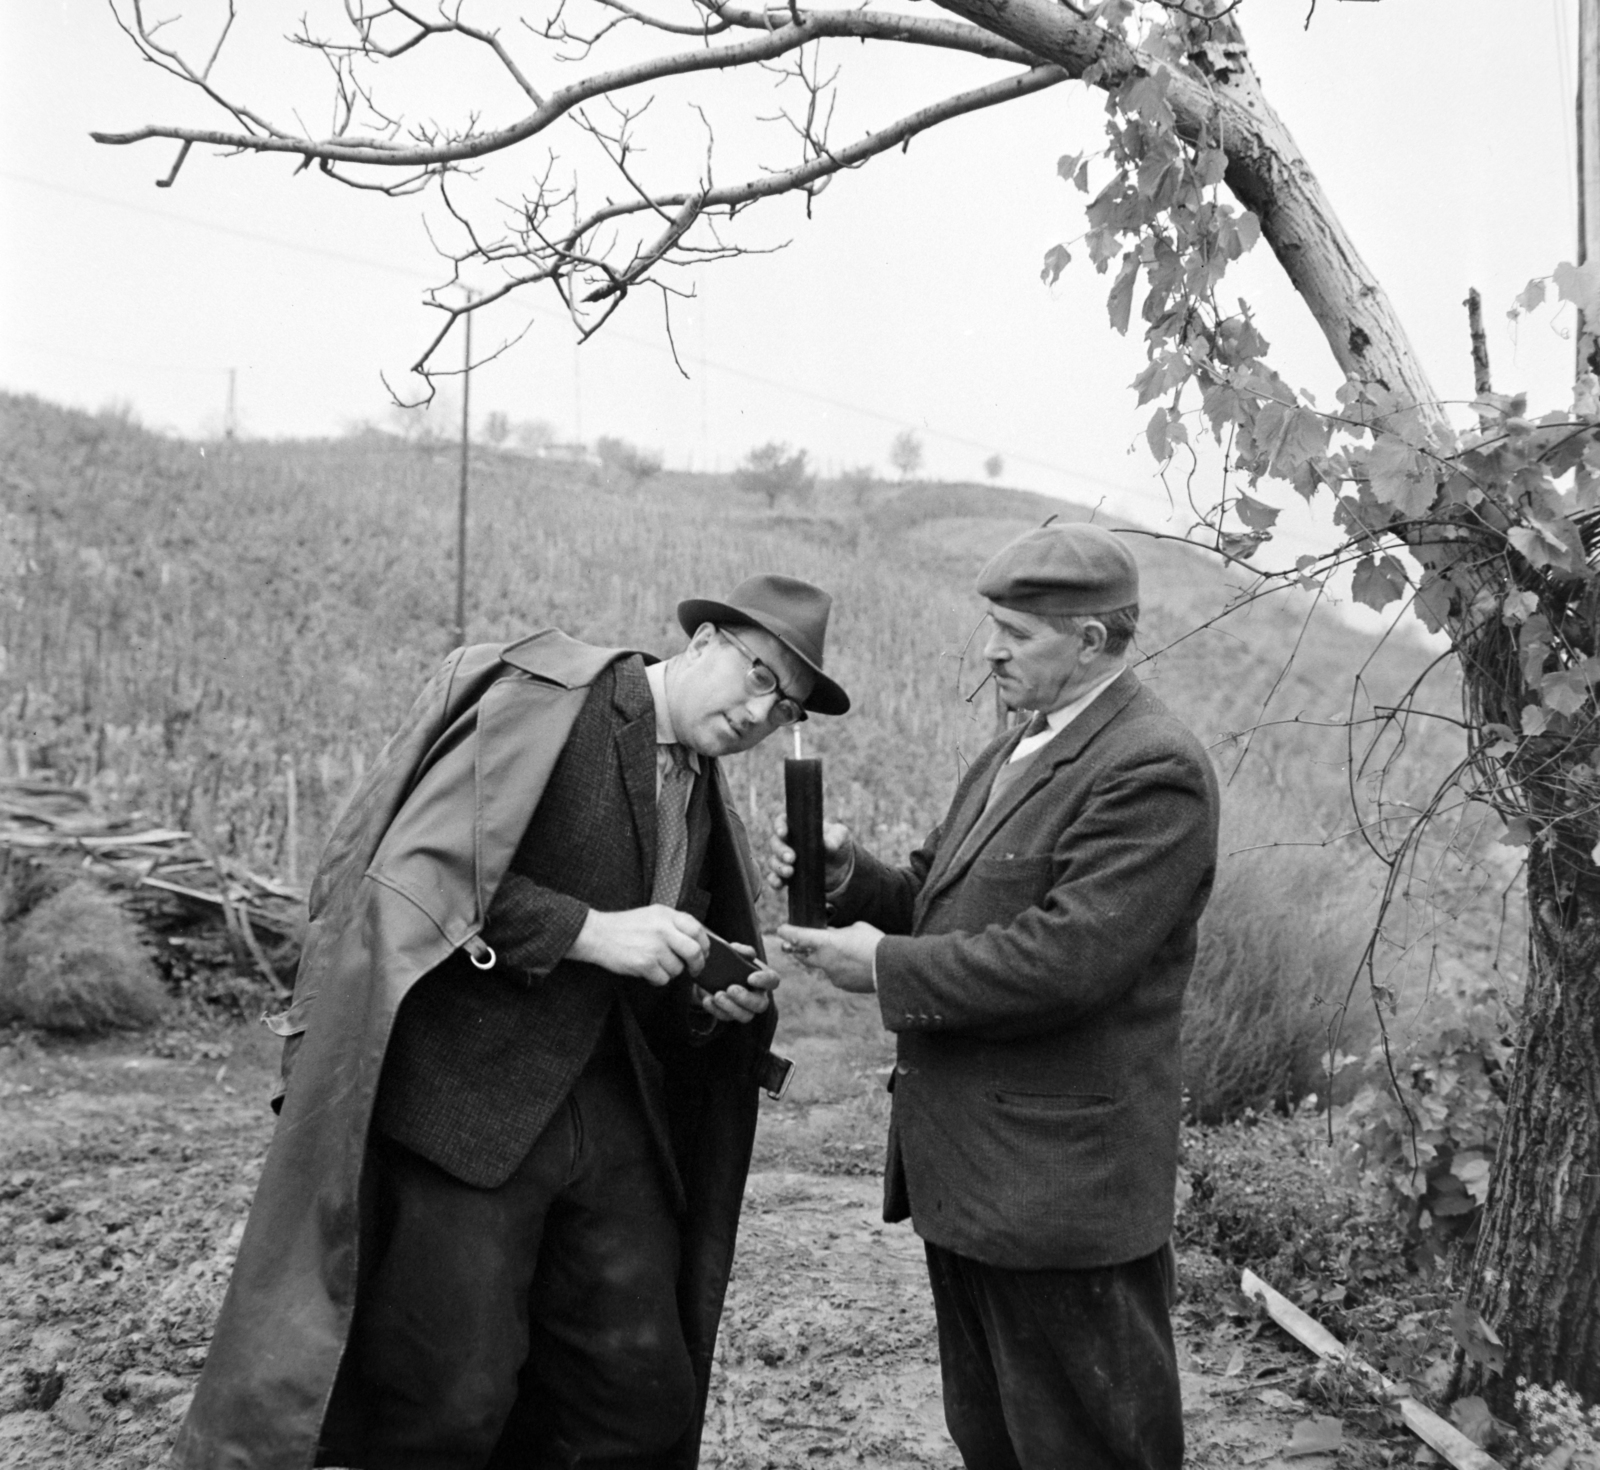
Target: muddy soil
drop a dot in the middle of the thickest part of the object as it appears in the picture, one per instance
(124, 1181)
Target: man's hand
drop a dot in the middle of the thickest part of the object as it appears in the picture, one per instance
(741, 1003)
(844, 955)
(838, 855)
(653, 943)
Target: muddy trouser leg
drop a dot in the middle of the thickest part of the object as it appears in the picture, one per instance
(1051, 1369)
(558, 1285)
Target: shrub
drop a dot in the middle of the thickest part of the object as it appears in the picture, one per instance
(771, 470)
(1430, 1145)
(905, 453)
(623, 458)
(1279, 945)
(1264, 1193)
(75, 964)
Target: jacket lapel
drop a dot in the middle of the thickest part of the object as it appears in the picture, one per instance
(967, 814)
(1067, 746)
(636, 756)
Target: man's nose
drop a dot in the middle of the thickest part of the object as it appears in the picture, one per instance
(760, 706)
(993, 650)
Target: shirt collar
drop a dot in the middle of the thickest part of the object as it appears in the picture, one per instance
(656, 676)
(1059, 719)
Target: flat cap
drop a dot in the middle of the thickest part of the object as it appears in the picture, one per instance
(1070, 567)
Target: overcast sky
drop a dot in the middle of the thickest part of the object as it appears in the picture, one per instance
(1441, 129)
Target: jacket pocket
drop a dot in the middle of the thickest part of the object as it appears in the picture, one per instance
(291, 1026)
(292, 1021)
(997, 889)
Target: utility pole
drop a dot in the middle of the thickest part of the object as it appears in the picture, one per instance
(461, 500)
(1588, 167)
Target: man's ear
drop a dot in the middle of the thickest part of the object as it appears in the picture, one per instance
(1093, 636)
(701, 639)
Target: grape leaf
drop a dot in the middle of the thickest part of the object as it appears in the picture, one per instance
(1477, 1338)
(1256, 514)
(1518, 607)
(1532, 296)
(1400, 476)
(1378, 581)
(1155, 434)
(1056, 259)
(1119, 304)
(1211, 166)
(1435, 596)
(1580, 284)
(1565, 691)
(1549, 544)
(1289, 436)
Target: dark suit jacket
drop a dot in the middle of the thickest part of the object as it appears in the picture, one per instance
(480, 1060)
(1037, 996)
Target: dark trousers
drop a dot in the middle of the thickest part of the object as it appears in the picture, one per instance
(1059, 1370)
(535, 1324)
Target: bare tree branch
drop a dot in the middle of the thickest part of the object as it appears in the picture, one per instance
(386, 153)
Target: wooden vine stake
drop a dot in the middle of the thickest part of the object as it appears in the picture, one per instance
(1444, 1439)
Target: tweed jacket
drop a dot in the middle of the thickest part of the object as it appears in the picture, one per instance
(1034, 978)
(480, 1060)
(410, 878)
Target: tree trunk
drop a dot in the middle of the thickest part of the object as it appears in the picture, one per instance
(1536, 1271)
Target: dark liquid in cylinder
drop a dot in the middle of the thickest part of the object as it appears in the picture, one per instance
(802, 790)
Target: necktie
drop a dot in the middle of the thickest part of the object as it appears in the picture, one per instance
(672, 823)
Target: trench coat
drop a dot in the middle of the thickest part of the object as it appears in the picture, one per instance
(406, 880)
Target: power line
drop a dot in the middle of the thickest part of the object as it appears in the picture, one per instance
(218, 229)
(619, 334)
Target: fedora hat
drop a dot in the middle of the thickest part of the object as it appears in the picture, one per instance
(792, 611)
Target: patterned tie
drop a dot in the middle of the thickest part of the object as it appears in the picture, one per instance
(672, 823)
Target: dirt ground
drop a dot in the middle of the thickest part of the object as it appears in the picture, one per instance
(125, 1177)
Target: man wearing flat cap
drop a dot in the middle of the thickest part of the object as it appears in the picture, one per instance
(495, 1225)
(1031, 959)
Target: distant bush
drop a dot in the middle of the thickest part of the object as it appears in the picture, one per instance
(772, 471)
(75, 964)
(858, 484)
(1279, 945)
(905, 453)
(627, 459)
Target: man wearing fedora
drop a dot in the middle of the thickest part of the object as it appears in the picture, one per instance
(1031, 959)
(497, 1218)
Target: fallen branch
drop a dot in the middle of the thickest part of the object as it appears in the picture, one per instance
(1439, 1436)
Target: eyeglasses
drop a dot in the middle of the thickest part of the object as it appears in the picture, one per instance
(759, 679)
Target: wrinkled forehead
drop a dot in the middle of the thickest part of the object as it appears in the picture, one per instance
(795, 677)
(1015, 621)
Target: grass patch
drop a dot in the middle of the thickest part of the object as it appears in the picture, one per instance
(75, 964)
